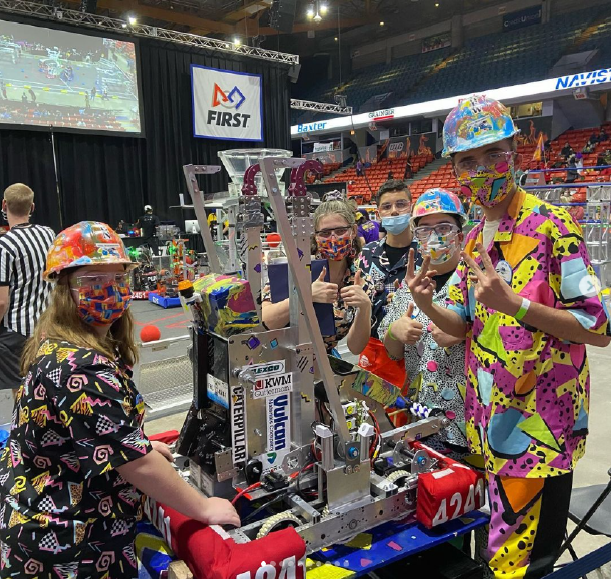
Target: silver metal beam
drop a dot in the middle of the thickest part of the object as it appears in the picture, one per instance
(320, 107)
(200, 210)
(302, 279)
(117, 25)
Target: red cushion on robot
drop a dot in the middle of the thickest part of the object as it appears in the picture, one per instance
(210, 553)
(448, 493)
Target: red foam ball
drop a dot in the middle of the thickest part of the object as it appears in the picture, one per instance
(274, 239)
(150, 333)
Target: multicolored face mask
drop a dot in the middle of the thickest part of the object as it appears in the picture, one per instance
(334, 248)
(488, 186)
(103, 302)
(439, 248)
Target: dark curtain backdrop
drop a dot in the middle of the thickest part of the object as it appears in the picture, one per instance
(109, 178)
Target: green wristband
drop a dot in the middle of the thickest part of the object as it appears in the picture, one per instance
(523, 309)
(390, 333)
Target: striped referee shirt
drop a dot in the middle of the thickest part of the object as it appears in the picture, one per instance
(23, 253)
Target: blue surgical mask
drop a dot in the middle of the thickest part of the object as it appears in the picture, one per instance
(396, 224)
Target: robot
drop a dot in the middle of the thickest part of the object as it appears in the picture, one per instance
(294, 437)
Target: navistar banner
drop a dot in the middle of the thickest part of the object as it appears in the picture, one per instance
(226, 105)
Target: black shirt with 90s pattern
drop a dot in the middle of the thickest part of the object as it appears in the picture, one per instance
(65, 510)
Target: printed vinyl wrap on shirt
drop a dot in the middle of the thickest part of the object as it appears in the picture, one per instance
(527, 399)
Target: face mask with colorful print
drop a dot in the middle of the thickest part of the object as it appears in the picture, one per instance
(103, 304)
(335, 248)
(488, 186)
(439, 248)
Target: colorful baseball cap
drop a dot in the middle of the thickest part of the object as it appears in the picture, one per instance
(86, 243)
(439, 201)
(475, 122)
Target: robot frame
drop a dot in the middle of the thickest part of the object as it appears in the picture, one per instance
(274, 418)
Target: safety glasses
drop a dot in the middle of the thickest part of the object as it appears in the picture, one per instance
(337, 231)
(489, 160)
(423, 232)
(99, 280)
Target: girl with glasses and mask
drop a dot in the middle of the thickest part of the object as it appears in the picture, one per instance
(434, 361)
(77, 460)
(348, 289)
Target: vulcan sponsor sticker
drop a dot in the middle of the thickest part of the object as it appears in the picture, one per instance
(273, 385)
(218, 391)
(278, 430)
(238, 425)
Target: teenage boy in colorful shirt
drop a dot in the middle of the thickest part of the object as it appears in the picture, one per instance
(385, 261)
(526, 298)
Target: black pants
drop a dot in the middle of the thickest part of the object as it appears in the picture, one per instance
(11, 347)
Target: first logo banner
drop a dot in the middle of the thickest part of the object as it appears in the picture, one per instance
(226, 105)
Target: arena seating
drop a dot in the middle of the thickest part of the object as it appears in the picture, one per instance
(509, 58)
(363, 187)
(444, 177)
(327, 169)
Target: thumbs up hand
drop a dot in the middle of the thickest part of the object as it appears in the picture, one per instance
(406, 330)
(324, 292)
(354, 295)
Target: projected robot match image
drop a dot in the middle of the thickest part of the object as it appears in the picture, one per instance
(64, 80)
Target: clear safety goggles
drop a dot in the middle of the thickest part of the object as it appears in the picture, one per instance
(488, 161)
(99, 280)
(423, 232)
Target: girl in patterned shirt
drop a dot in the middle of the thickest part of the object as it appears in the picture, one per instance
(77, 460)
(349, 290)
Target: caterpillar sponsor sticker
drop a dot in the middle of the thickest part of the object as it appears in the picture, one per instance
(238, 425)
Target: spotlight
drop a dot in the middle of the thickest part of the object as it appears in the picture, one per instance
(132, 20)
(317, 18)
(381, 22)
(310, 11)
(323, 9)
(124, 25)
(336, 39)
(237, 41)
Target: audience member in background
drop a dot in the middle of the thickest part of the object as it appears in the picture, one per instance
(522, 296)
(571, 174)
(566, 151)
(348, 289)
(148, 223)
(390, 176)
(603, 135)
(368, 230)
(385, 261)
(579, 162)
(434, 361)
(23, 293)
(603, 158)
(77, 427)
(359, 168)
(594, 138)
(588, 148)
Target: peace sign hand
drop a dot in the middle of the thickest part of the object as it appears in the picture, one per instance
(421, 283)
(491, 289)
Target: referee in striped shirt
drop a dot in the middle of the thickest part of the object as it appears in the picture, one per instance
(23, 293)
